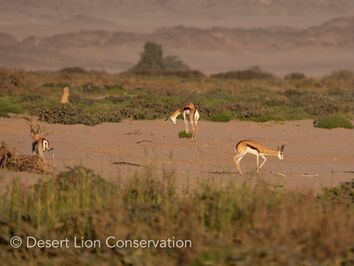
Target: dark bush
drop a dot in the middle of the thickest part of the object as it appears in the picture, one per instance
(343, 193)
(187, 74)
(295, 76)
(67, 114)
(248, 74)
(72, 70)
(112, 117)
(31, 98)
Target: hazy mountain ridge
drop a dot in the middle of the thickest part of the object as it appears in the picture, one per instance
(94, 48)
(338, 31)
(23, 18)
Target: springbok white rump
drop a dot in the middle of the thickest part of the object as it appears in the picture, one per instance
(191, 110)
(259, 150)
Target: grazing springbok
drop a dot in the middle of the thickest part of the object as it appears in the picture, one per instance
(191, 110)
(253, 147)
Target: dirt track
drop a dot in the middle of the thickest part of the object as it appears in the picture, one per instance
(313, 158)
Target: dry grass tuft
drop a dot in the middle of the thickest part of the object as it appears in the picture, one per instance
(9, 159)
(228, 224)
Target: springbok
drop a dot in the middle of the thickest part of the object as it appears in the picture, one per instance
(259, 150)
(191, 110)
(39, 144)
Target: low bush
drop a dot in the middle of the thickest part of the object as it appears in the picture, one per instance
(183, 134)
(334, 121)
(221, 117)
(253, 73)
(187, 74)
(67, 114)
(11, 160)
(73, 70)
(343, 193)
(9, 105)
(342, 78)
(295, 76)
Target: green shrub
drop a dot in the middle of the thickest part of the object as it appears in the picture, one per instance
(183, 134)
(334, 121)
(221, 117)
(9, 105)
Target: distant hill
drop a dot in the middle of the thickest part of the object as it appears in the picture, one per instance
(7, 40)
(212, 50)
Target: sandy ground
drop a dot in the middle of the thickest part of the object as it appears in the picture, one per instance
(313, 158)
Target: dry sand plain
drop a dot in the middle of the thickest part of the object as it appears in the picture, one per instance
(313, 157)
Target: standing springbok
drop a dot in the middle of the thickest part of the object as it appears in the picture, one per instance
(191, 110)
(39, 144)
(253, 147)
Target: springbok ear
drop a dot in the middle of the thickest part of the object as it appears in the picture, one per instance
(282, 147)
(278, 148)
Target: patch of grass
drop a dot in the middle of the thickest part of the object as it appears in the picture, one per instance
(334, 121)
(246, 95)
(232, 223)
(341, 193)
(9, 105)
(12, 81)
(67, 114)
(295, 76)
(221, 117)
(184, 134)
